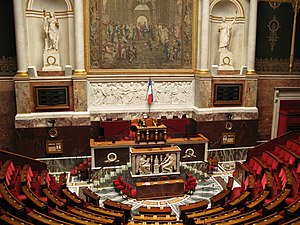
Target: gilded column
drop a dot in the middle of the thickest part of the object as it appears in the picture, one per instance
(252, 37)
(21, 44)
(79, 38)
(204, 37)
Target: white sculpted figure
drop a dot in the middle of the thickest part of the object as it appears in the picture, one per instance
(144, 165)
(168, 163)
(51, 28)
(225, 30)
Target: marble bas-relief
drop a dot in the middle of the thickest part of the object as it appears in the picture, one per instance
(134, 93)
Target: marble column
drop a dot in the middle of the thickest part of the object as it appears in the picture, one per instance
(204, 38)
(79, 38)
(20, 34)
(252, 37)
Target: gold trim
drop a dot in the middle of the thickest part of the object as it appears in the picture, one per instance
(295, 5)
(203, 72)
(139, 71)
(251, 72)
(22, 74)
(80, 72)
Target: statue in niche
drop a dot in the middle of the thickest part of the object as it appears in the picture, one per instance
(144, 165)
(225, 36)
(51, 28)
(225, 31)
(168, 163)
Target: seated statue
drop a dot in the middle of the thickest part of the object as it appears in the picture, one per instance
(168, 163)
(144, 165)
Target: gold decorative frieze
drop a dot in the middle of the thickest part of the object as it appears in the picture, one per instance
(271, 65)
(8, 64)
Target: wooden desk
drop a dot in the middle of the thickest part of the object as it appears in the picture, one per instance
(257, 202)
(239, 201)
(155, 210)
(119, 206)
(41, 218)
(92, 216)
(36, 202)
(240, 219)
(54, 200)
(109, 153)
(277, 202)
(12, 201)
(117, 215)
(159, 189)
(267, 220)
(154, 218)
(195, 215)
(72, 218)
(292, 210)
(219, 198)
(72, 200)
(184, 209)
(219, 217)
(90, 196)
(8, 218)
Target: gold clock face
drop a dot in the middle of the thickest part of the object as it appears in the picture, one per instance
(51, 60)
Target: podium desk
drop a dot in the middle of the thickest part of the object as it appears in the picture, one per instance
(151, 133)
(159, 189)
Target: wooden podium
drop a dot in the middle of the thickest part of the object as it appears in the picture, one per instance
(159, 189)
(151, 133)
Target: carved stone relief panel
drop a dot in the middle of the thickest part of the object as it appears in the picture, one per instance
(134, 93)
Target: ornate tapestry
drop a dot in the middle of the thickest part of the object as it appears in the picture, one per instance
(140, 34)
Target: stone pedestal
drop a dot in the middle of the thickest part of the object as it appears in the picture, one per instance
(225, 60)
(51, 61)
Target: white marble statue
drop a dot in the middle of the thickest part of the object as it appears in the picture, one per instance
(225, 31)
(168, 163)
(144, 165)
(51, 28)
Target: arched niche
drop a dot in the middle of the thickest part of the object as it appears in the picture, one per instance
(228, 9)
(64, 12)
(52, 5)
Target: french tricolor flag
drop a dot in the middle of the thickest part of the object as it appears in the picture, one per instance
(150, 92)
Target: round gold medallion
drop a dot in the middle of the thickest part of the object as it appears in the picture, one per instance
(51, 60)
